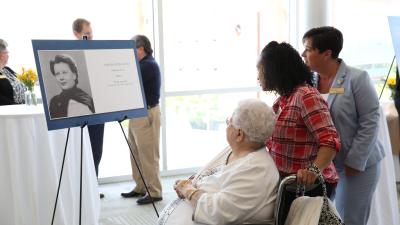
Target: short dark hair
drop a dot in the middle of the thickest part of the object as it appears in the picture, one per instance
(283, 68)
(77, 25)
(143, 41)
(67, 60)
(326, 38)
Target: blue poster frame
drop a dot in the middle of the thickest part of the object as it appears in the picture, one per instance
(97, 118)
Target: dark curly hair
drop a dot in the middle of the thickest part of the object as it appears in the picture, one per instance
(282, 68)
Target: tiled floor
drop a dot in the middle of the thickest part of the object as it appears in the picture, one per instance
(116, 210)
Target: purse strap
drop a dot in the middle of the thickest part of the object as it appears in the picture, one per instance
(300, 189)
(327, 215)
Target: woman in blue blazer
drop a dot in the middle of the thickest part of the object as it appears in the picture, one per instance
(354, 107)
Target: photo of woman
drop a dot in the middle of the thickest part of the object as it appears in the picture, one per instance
(72, 101)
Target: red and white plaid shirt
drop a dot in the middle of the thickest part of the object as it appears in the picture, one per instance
(303, 125)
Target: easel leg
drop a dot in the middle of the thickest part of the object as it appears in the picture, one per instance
(137, 166)
(59, 181)
(80, 181)
(387, 77)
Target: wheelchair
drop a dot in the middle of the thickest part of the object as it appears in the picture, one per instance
(282, 205)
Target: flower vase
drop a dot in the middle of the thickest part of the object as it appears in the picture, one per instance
(30, 98)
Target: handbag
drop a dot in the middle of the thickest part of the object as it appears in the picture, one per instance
(313, 210)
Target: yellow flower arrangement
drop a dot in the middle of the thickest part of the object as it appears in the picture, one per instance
(28, 78)
(391, 82)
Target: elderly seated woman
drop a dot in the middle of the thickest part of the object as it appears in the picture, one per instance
(11, 89)
(240, 184)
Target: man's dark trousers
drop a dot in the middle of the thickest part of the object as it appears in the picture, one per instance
(96, 134)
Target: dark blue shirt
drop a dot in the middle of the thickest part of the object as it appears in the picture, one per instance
(151, 78)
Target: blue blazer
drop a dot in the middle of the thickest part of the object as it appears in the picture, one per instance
(354, 106)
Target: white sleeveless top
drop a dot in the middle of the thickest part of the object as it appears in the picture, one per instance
(325, 96)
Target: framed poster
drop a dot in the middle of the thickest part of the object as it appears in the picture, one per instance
(89, 81)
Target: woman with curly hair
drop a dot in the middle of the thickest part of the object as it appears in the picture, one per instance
(304, 135)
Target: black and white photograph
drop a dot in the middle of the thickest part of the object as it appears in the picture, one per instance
(88, 82)
(91, 81)
(67, 84)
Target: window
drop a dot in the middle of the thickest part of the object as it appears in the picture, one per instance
(196, 127)
(210, 54)
(46, 19)
(28, 20)
(367, 40)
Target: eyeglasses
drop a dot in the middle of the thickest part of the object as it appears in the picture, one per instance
(228, 121)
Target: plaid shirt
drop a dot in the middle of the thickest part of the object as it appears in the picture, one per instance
(302, 127)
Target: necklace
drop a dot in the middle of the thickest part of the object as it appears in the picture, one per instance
(227, 158)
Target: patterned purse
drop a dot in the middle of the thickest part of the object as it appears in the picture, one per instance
(329, 214)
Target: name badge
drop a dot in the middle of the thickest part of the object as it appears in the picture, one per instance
(336, 91)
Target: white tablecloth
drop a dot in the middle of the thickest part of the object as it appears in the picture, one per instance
(30, 165)
(385, 209)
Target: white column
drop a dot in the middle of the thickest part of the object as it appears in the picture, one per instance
(312, 13)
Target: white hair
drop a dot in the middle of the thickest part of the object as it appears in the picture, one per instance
(3, 45)
(255, 118)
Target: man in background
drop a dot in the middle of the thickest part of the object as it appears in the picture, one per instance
(81, 27)
(144, 133)
(83, 30)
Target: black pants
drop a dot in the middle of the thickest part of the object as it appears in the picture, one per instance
(397, 104)
(96, 134)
